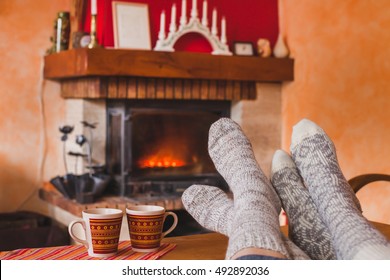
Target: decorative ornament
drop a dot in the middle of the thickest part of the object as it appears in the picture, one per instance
(60, 38)
(93, 35)
(194, 24)
(280, 49)
(264, 47)
(85, 187)
(65, 130)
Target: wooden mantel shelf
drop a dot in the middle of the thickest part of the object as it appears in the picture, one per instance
(114, 73)
(176, 65)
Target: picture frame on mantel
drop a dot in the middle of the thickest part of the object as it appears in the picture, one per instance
(131, 25)
(243, 48)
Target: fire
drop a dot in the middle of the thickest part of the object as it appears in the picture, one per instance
(161, 163)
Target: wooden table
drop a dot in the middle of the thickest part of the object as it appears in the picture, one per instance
(209, 246)
(212, 246)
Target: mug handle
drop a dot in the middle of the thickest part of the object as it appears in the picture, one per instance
(70, 229)
(175, 220)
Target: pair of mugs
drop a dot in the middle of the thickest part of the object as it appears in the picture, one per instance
(102, 227)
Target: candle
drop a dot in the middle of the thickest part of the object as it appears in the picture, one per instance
(161, 34)
(194, 10)
(223, 26)
(214, 23)
(183, 8)
(172, 27)
(204, 13)
(162, 21)
(173, 14)
(204, 8)
(223, 30)
(93, 7)
(183, 17)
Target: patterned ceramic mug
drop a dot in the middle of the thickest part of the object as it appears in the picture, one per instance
(146, 226)
(102, 227)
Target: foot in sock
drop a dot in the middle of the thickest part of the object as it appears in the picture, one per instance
(213, 209)
(210, 207)
(306, 228)
(353, 236)
(256, 204)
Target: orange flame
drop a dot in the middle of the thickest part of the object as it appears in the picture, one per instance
(161, 163)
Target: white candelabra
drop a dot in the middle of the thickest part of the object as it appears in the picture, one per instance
(194, 24)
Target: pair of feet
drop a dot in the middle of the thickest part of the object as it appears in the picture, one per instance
(325, 220)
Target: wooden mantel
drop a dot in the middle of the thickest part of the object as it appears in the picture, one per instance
(178, 65)
(115, 73)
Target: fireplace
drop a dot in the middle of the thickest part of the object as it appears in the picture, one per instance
(159, 147)
(96, 82)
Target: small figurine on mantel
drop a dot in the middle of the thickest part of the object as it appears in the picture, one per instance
(264, 47)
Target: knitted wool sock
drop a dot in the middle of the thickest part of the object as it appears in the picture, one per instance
(352, 235)
(210, 207)
(213, 209)
(256, 204)
(306, 228)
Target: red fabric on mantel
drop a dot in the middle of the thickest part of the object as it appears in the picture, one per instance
(247, 20)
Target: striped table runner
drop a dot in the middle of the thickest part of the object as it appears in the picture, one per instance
(79, 252)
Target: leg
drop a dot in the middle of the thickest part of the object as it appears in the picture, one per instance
(255, 223)
(306, 228)
(352, 235)
(210, 207)
(214, 210)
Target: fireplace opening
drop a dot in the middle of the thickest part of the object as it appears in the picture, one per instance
(157, 148)
(170, 143)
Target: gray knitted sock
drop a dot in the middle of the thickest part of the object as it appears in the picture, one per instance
(210, 207)
(256, 204)
(213, 209)
(306, 228)
(352, 235)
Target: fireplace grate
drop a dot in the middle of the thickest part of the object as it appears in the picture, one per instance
(169, 187)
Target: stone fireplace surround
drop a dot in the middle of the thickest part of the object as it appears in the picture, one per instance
(255, 103)
(260, 119)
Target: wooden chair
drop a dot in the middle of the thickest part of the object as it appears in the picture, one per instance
(360, 181)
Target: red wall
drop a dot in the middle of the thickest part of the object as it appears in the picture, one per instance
(247, 20)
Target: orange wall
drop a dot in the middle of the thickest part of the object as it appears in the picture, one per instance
(26, 26)
(342, 82)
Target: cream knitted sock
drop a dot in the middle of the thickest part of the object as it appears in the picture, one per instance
(256, 204)
(315, 157)
(306, 228)
(213, 209)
